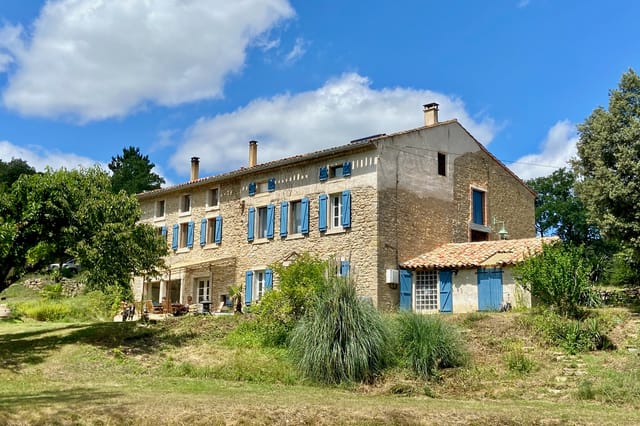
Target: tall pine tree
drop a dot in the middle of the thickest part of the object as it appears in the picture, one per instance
(132, 172)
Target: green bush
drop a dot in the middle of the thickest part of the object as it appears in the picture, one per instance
(52, 291)
(342, 339)
(558, 277)
(518, 362)
(44, 310)
(425, 343)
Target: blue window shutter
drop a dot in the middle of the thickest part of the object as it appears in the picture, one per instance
(304, 211)
(164, 233)
(271, 220)
(322, 212)
(284, 211)
(271, 185)
(268, 279)
(174, 237)
(405, 289)
(248, 281)
(344, 268)
(252, 188)
(324, 174)
(218, 235)
(346, 168)
(250, 223)
(446, 302)
(190, 234)
(346, 209)
(477, 207)
(203, 231)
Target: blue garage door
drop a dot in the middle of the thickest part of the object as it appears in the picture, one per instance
(489, 289)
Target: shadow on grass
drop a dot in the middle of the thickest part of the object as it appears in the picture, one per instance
(32, 348)
(34, 400)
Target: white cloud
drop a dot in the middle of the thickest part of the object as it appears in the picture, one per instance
(523, 3)
(296, 52)
(343, 109)
(557, 149)
(39, 157)
(94, 59)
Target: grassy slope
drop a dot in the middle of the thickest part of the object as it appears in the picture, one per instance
(180, 372)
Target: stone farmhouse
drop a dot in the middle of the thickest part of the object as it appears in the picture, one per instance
(371, 204)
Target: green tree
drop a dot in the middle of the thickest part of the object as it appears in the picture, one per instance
(558, 277)
(608, 164)
(57, 214)
(11, 171)
(559, 211)
(132, 172)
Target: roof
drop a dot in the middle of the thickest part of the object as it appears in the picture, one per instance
(479, 254)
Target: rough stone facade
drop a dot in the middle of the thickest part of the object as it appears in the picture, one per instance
(402, 205)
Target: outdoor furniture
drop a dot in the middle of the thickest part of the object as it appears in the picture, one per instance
(153, 309)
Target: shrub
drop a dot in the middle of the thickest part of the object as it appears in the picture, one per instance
(342, 339)
(425, 343)
(518, 362)
(559, 278)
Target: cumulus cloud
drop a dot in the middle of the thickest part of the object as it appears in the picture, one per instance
(94, 59)
(556, 150)
(39, 157)
(343, 109)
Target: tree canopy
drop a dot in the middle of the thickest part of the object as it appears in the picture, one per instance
(57, 214)
(559, 211)
(11, 171)
(608, 163)
(132, 172)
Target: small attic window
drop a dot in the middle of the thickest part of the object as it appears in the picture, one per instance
(442, 164)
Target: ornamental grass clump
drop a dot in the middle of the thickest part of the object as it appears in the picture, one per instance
(426, 343)
(343, 339)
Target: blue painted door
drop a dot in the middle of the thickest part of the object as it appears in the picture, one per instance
(405, 289)
(446, 302)
(489, 289)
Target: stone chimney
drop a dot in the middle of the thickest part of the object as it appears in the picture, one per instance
(430, 114)
(195, 168)
(253, 153)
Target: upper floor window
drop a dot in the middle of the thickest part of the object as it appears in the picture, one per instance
(335, 210)
(442, 164)
(185, 203)
(159, 209)
(295, 225)
(477, 207)
(337, 171)
(184, 233)
(213, 197)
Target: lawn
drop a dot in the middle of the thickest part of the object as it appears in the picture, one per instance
(184, 372)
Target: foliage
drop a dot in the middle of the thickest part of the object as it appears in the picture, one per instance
(426, 343)
(11, 171)
(558, 277)
(235, 293)
(572, 335)
(52, 291)
(517, 361)
(132, 172)
(299, 285)
(608, 164)
(558, 209)
(53, 306)
(342, 339)
(55, 215)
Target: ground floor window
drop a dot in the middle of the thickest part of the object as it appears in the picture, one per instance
(204, 290)
(259, 284)
(426, 296)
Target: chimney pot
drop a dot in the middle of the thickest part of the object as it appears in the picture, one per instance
(253, 153)
(430, 114)
(195, 168)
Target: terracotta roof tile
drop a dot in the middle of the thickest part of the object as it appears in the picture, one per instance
(473, 255)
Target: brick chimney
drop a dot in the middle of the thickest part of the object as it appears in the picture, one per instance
(253, 153)
(430, 114)
(195, 168)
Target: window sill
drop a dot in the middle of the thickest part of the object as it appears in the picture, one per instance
(259, 241)
(479, 227)
(294, 237)
(159, 218)
(182, 250)
(211, 246)
(212, 208)
(333, 231)
(183, 214)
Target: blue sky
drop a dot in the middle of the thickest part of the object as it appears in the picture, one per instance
(82, 79)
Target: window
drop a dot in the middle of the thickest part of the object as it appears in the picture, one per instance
(184, 232)
(212, 229)
(159, 209)
(204, 290)
(262, 222)
(335, 210)
(256, 283)
(477, 207)
(442, 164)
(263, 186)
(185, 203)
(337, 171)
(295, 226)
(426, 291)
(213, 197)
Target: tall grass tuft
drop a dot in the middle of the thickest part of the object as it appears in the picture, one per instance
(343, 339)
(425, 343)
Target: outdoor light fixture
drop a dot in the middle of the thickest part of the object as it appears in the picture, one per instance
(503, 231)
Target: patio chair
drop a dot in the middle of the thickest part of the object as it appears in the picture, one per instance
(153, 309)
